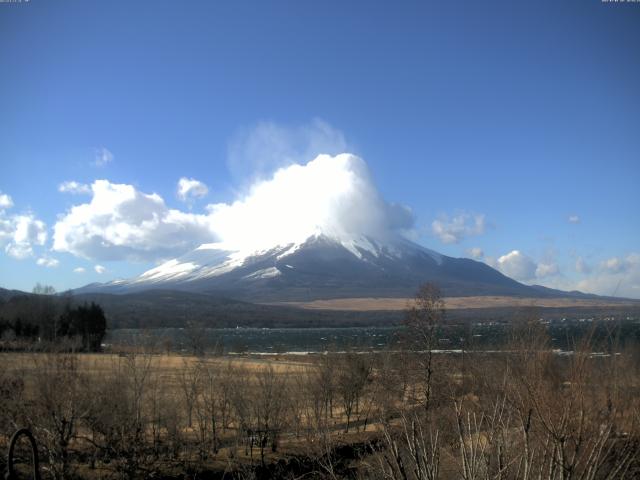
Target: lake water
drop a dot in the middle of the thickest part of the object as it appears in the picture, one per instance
(474, 336)
(259, 340)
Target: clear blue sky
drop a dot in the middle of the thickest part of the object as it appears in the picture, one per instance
(506, 117)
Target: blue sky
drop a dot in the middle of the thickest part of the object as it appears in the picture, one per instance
(505, 126)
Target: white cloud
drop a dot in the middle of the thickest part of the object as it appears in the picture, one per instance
(332, 195)
(100, 269)
(614, 265)
(5, 201)
(190, 188)
(619, 276)
(475, 252)
(517, 266)
(20, 233)
(79, 270)
(458, 227)
(74, 187)
(102, 156)
(257, 152)
(523, 268)
(122, 223)
(48, 262)
(573, 219)
(546, 269)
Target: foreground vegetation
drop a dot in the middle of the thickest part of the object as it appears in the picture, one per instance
(524, 411)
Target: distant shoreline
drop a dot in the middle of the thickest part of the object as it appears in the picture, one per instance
(479, 302)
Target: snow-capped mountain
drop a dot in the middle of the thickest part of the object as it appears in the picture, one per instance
(316, 231)
(321, 266)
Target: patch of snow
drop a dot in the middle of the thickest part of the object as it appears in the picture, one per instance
(405, 245)
(216, 259)
(291, 248)
(263, 273)
(360, 245)
(210, 246)
(219, 269)
(169, 270)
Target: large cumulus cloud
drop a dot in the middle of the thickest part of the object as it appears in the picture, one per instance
(521, 267)
(122, 223)
(333, 195)
(517, 265)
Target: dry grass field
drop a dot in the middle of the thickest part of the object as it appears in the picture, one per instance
(405, 414)
(169, 365)
(374, 304)
(177, 401)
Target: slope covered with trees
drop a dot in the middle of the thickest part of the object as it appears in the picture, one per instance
(42, 317)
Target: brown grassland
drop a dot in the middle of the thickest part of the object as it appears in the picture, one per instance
(411, 414)
(375, 304)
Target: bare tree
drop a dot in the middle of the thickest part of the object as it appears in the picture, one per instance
(59, 403)
(119, 422)
(209, 406)
(269, 406)
(353, 374)
(409, 451)
(421, 321)
(189, 381)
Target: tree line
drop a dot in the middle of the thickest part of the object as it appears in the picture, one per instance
(43, 317)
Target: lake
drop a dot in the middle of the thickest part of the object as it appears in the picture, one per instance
(259, 340)
(487, 335)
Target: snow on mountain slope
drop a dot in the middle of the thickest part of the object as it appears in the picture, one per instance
(212, 260)
(321, 266)
(316, 231)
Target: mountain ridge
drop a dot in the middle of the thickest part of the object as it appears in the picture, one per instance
(325, 267)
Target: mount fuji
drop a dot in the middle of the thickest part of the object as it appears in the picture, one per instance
(323, 267)
(317, 231)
